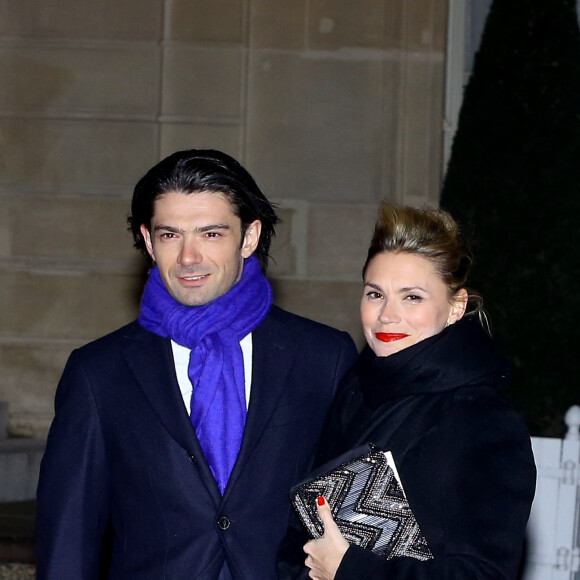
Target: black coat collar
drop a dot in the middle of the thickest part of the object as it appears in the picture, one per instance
(462, 354)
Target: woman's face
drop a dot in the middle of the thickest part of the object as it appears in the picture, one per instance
(404, 301)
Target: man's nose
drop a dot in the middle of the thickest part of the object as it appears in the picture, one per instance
(189, 253)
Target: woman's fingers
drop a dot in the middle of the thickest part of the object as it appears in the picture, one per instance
(325, 554)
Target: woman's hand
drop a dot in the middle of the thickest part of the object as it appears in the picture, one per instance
(326, 553)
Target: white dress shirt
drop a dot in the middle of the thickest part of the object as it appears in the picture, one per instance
(181, 360)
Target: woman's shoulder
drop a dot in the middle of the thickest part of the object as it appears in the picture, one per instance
(477, 424)
(483, 404)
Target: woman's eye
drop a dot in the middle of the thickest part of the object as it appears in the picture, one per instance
(413, 298)
(373, 295)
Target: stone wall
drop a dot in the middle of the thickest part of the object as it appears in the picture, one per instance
(332, 106)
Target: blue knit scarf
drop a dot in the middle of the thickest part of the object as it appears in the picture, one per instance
(216, 366)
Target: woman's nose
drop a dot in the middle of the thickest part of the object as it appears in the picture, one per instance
(389, 313)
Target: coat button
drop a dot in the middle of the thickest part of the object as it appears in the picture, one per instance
(192, 458)
(224, 523)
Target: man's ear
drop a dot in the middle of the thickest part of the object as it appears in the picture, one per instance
(251, 238)
(458, 306)
(147, 239)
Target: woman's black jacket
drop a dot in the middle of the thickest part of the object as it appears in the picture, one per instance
(464, 456)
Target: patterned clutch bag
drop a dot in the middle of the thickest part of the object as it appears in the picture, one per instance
(368, 504)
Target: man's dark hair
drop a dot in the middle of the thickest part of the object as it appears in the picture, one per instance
(208, 170)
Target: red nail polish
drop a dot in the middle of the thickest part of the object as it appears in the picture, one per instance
(320, 500)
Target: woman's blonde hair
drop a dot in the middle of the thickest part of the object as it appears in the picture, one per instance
(432, 234)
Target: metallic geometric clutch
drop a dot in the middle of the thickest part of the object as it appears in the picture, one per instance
(368, 505)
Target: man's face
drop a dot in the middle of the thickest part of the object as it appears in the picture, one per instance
(196, 242)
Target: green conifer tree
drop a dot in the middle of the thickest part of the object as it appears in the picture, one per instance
(513, 182)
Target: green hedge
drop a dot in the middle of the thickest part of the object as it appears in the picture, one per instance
(513, 182)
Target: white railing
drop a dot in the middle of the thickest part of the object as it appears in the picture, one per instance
(552, 550)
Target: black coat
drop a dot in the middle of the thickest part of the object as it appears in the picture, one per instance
(463, 455)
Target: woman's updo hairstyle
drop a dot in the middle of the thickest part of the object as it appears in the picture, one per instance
(430, 233)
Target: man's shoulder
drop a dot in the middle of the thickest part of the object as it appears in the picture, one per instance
(301, 325)
(114, 340)
(285, 317)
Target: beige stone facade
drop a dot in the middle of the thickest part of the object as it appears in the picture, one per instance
(332, 105)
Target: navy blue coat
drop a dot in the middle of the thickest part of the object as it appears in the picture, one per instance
(122, 451)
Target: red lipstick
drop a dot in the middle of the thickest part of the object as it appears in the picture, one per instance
(390, 336)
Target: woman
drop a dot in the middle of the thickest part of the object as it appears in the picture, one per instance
(425, 388)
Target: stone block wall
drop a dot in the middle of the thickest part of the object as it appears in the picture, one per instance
(331, 105)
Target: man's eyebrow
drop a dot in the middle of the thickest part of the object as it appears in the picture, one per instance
(199, 230)
(211, 227)
(165, 228)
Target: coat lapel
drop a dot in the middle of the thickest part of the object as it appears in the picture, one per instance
(150, 358)
(273, 351)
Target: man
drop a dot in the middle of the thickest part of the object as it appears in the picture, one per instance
(183, 431)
